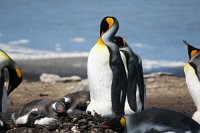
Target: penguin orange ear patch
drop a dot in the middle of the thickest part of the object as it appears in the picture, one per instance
(123, 121)
(19, 72)
(193, 52)
(191, 49)
(110, 22)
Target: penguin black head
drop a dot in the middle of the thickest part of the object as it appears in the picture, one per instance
(67, 101)
(192, 51)
(120, 41)
(106, 24)
(117, 124)
(60, 107)
(15, 73)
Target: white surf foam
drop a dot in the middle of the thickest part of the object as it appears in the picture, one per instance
(20, 52)
(78, 39)
(140, 45)
(155, 64)
(19, 42)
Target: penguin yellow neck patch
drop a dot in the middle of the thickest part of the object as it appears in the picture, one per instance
(124, 41)
(19, 72)
(100, 42)
(110, 22)
(123, 121)
(186, 67)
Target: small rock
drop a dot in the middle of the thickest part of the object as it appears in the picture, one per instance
(109, 131)
(75, 120)
(75, 129)
(53, 78)
(150, 79)
(52, 127)
(158, 74)
(43, 94)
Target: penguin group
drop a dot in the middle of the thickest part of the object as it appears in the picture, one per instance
(116, 90)
(114, 74)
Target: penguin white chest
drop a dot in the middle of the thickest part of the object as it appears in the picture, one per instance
(193, 84)
(100, 78)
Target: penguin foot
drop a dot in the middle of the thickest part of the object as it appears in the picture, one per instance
(102, 108)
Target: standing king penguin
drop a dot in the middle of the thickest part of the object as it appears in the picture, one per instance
(15, 78)
(106, 73)
(192, 75)
(136, 91)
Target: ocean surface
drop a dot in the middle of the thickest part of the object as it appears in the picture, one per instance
(43, 29)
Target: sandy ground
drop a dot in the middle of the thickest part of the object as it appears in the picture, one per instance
(163, 91)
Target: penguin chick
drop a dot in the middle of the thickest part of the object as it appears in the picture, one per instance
(76, 102)
(39, 112)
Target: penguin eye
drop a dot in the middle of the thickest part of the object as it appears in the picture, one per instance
(123, 121)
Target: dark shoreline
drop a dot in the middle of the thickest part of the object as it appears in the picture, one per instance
(33, 68)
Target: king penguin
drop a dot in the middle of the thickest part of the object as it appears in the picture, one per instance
(192, 76)
(15, 78)
(153, 121)
(136, 91)
(39, 112)
(76, 102)
(106, 73)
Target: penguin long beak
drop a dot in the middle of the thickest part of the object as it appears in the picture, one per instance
(15, 77)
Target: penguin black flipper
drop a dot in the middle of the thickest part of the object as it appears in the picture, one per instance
(140, 81)
(135, 80)
(2, 80)
(119, 83)
(195, 62)
(131, 86)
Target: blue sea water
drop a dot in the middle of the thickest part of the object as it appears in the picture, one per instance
(153, 28)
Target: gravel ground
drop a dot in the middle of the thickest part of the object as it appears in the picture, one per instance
(163, 91)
